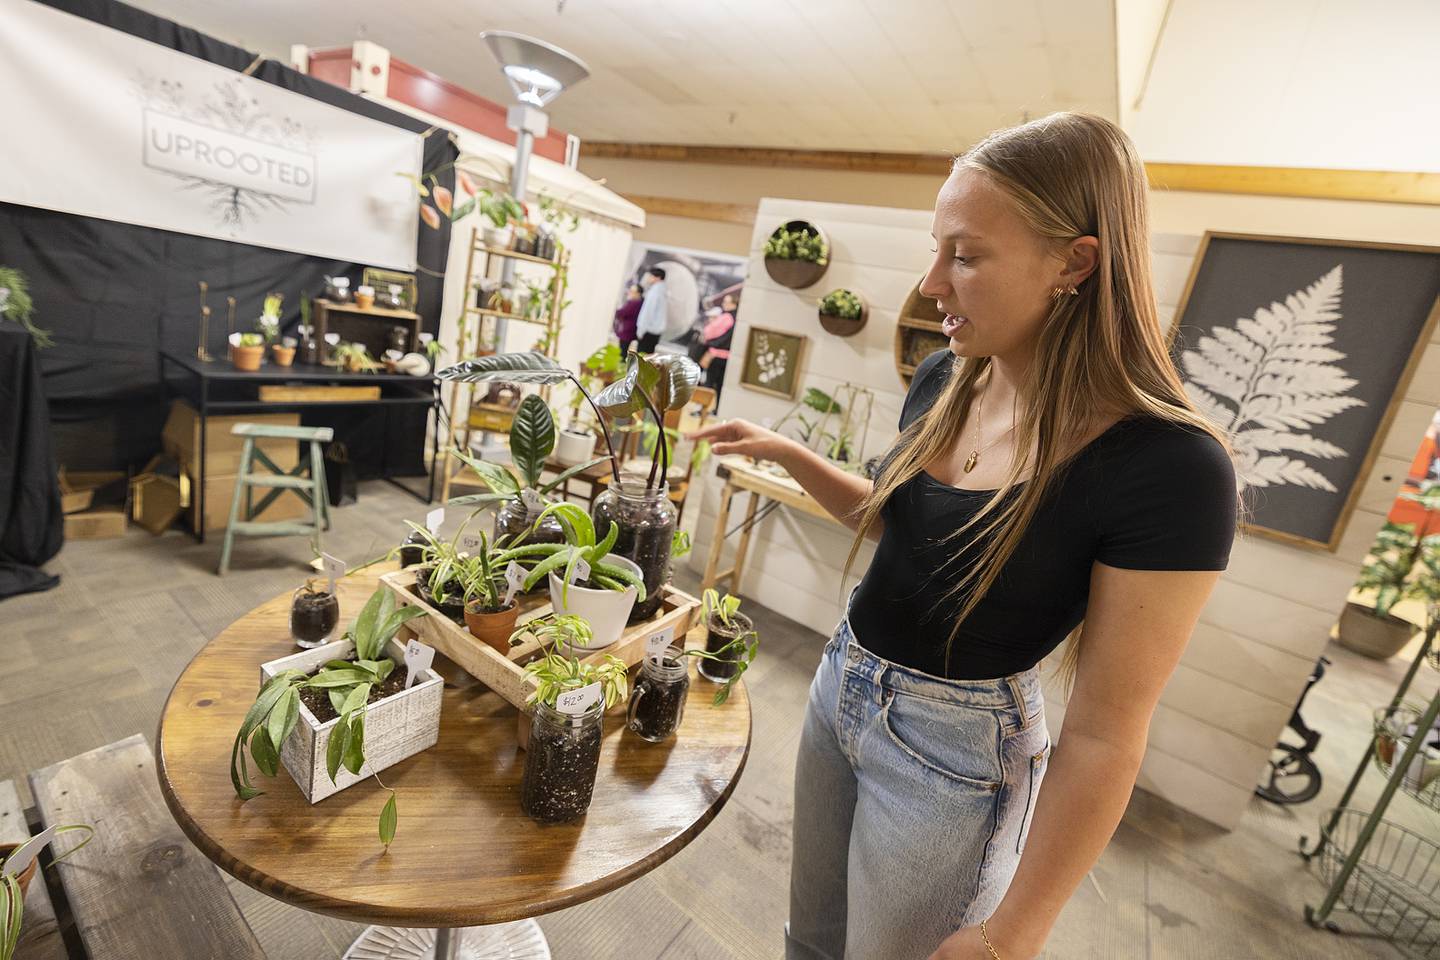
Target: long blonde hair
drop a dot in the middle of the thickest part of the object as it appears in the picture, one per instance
(1102, 351)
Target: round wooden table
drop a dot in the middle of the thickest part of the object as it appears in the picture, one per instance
(464, 852)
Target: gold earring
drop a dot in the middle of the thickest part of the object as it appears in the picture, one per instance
(1056, 294)
(1073, 291)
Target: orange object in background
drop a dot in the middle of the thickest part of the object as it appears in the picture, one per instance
(1425, 468)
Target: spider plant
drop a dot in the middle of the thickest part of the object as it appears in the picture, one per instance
(580, 544)
(12, 899)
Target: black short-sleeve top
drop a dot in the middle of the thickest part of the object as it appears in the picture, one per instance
(1147, 494)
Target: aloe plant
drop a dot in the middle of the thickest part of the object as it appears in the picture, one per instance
(580, 544)
(347, 683)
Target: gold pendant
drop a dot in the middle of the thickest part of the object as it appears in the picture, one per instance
(971, 460)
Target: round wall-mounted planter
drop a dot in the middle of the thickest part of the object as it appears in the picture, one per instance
(798, 274)
(845, 326)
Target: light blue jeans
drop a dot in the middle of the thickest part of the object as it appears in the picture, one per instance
(913, 795)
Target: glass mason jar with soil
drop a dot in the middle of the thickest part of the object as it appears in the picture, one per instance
(514, 518)
(646, 519)
(314, 614)
(560, 763)
(657, 701)
(718, 634)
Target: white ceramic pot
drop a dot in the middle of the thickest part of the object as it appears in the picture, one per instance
(573, 447)
(606, 610)
(497, 237)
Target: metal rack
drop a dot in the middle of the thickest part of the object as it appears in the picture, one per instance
(479, 339)
(1384, 873)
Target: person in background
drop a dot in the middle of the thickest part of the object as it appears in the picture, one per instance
(650, 324)
(716, 336)
(626, 316)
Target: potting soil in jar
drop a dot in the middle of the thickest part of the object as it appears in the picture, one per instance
(514, 518)
(646, 521)
(313, 617)
(657, 702)
(560, 763)
(718, 636)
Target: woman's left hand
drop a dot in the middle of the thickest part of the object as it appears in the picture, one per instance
(967, 944)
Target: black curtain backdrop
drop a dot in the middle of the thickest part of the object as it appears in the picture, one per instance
(114, 295)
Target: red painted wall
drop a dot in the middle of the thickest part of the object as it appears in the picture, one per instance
(434, 94)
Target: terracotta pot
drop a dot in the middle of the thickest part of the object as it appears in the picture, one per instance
(284, 356)
(1377, 637)
(364, 300)
(494, 627)
(247, 358)
(8, 848)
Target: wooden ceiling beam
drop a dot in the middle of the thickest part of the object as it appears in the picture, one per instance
(858, 161)
(737, 213)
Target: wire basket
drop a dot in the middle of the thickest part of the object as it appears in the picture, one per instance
(1393, 886)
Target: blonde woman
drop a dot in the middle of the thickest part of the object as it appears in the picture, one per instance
(1050, 470)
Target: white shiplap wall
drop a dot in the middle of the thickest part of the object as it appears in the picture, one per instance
(1269, 616)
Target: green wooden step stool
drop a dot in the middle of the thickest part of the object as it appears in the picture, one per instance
(310, 488)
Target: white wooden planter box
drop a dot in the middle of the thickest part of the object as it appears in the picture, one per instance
(397, 727)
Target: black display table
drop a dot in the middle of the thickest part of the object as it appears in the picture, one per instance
(219, 388)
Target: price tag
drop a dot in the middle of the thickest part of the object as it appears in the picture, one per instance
(418, 658)
(514, 580)
(657, 643)
(471, 542)
(580, 573)
(434, 519)
(16, 864)
(532, 501)
(575, 702)
(334, 568)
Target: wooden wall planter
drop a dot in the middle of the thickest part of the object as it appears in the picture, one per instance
(845, 326)
(917, 333)
(798, 274)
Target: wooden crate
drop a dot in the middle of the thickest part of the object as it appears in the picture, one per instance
(315, 393)
(505, 675)
(181, 439)
(99, 524)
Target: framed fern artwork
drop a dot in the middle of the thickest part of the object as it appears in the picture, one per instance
(1303, 351)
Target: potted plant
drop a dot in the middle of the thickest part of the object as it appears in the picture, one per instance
(1396, 569)
(532, 439)
(353, 358)
(501, 209)
(730, 640)
(284, 351)
(604, 597)
(314, 615)
(568, 708)
(842, 312)
(343, 708)
(13, 887)
(248, 351)
(488, 614)
(440, 579)
(17, 307)
(796, 254)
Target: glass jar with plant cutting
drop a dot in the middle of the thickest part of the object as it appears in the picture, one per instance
(657, 701)
(730, 639)
(568, 708)
(532, 439)
(314, 615)
(340, 689)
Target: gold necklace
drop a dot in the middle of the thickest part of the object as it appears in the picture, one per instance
(975, 452)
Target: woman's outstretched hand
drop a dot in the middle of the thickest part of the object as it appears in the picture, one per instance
(743, 437)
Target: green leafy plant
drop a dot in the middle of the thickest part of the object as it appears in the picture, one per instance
(556, 673)
(721, 608)
(679, 544)
(12, 900)
(271, 307)
(841, 303)
(17, 307)
(802, 244)
(347, 683)
(580, 544)
(499, 207)
(1404, 564)
(251, 340)
(445, 568)
(740, 652)
(353, 356)
(482, 576)
(532, 440)
(433, 349)
(657, 383)
(558, 215)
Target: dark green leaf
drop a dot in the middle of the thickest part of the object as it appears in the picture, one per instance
(268, 695)
(337, 697)
(355, 699)
(395, 621)
(578, 468)
(528, 367)
(355, 743)
(264, 753)
(389, 818)
(386, 667)
(532, 437)
(282, 718)
(493, 475)
(326, 679)
(365, 623)
(335, 749)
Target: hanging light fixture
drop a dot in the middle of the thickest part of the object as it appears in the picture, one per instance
(537, 72)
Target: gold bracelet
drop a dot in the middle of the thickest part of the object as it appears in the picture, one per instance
(986, 937)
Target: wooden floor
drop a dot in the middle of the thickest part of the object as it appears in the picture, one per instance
(92, 661)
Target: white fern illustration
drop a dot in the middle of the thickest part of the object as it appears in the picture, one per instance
(1270, 378)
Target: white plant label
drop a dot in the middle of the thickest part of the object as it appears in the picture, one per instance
(580, 572)
(334, 569)
(434, 519)
(418, 657)
(575, 702)
(514, 580)
(657, 643)
(16, 864)
(471, 543)
(532, 501)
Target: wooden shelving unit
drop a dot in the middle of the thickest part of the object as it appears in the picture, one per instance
(483, 261)
(917, 333)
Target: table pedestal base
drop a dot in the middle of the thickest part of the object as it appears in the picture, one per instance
(522, 940)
